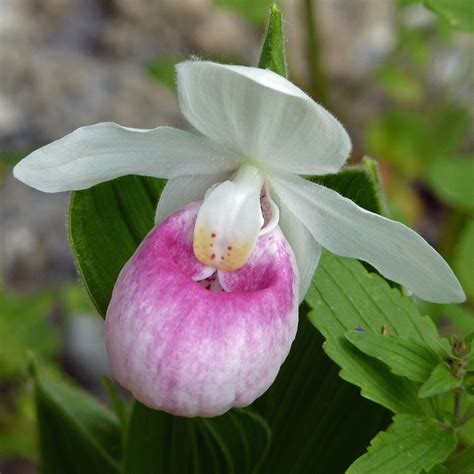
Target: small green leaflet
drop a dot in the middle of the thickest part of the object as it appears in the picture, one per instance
(411, 444)
(406, 357)
(77, 434)
(273, 49)
(458, 13)
(234, 443)
(441, 380)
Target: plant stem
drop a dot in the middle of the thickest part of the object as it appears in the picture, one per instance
(458, 396)
(318, 81)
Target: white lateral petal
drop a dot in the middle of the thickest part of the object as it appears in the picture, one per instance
(185, 189)
(307, 251)
(262, 115)
(98, 153)
(345, 229)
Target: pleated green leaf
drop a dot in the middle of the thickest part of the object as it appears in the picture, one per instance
(156, 442)
(406, 357)
(77, 435)
(409, 446)
(106, 225)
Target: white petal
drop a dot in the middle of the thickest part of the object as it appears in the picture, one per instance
(307, 251)
(345, 229)
(97, 153)
(263, 116)
(229, 221)
(185, 189)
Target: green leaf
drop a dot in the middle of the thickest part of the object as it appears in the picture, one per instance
(106, 225)
(451, 180)
(464, 258)
(273, 49)
(406, 357)
(462, 463)
(319, 423)
(441, 380)
(77, 434)
(411, 444)
(344, 296)
(236, 442)
(24, 327)
(458, 13)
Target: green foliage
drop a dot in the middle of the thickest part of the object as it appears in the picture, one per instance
(452, 180)
(458, 13)
(412, 142)
(400, 85)
(410, 445)
(441, 380)
(254, 10)
(236, 442)
(77, 434)
(24, 327)
(463, 463)
(406, 357)
(464, 259)
(163, 70)
(273, 49)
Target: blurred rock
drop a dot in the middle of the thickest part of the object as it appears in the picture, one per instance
(355, 35)
(34, 245)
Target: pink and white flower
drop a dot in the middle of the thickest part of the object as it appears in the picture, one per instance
(204, 313)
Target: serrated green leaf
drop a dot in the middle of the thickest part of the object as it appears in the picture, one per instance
(106, 225)
(411, 444)
(406, 357)
(441, 380)
(458, 13)
(344, 296)
(236, 442)
(273, 49)
(77, 434)
(452, 180)
(464, 259)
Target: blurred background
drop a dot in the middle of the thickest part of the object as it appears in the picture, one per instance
(399, 77)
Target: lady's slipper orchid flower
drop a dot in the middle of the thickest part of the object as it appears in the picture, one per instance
(204, 313)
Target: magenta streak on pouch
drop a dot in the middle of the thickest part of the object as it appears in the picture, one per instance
(192, 352)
